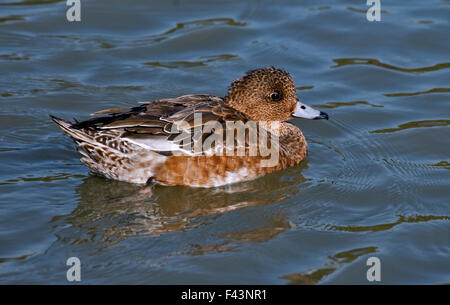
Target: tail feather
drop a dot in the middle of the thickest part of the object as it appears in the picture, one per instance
(67, 127)
(107, 159)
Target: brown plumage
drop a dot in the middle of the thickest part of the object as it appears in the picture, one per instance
(167, 140)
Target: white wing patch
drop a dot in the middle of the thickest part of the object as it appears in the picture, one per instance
(154, 143)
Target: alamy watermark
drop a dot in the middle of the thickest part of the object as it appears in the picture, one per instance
(374, 11)
(74, 11)
(73, 274)
(232, 138)
(374, 272)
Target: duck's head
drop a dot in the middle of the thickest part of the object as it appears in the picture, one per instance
(269, 94)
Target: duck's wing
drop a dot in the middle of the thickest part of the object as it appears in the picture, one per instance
(169, 126)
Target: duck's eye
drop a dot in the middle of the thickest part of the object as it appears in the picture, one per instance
(275, 96)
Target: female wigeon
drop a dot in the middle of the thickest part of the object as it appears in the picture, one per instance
(154, 141)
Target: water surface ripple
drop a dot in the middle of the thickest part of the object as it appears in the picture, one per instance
(376, 181)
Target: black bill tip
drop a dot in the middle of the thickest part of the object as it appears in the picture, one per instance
(322, 115)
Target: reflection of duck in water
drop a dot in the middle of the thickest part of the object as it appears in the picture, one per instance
(158, 140)
(106, 203)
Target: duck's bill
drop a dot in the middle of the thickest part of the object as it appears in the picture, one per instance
(307, 112)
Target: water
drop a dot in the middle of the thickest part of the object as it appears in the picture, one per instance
(376, 181)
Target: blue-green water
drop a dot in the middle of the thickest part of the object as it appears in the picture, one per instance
(376, 181)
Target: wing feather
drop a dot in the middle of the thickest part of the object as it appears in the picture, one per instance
(169, 124)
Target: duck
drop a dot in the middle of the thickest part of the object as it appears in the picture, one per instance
(164, 141)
